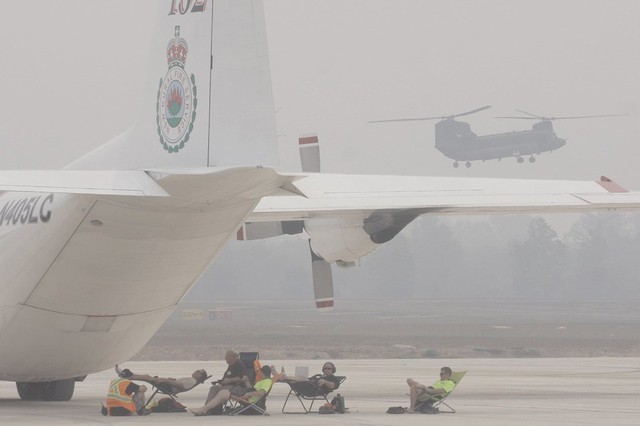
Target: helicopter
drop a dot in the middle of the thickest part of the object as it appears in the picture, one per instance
(455, 139)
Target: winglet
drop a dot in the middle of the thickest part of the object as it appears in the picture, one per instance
(610, 185)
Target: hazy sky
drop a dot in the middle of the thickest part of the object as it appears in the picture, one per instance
(71, 72)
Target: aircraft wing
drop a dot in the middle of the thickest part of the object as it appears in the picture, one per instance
(326, 195)
(348, 216)
(131, 183)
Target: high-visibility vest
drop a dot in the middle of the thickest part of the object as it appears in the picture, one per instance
(117, 395)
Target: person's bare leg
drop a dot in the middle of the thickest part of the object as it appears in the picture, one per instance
(142, 377)
(277, 377)
(213, 391)
(413, 393)
(139, 398)
(220, 398)
(294, 379)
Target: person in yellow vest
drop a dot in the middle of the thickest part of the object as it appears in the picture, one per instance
(125, 398)
(439, 388)
(252, 395)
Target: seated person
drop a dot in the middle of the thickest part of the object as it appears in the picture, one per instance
(252, 395)
(320, 383)
(176, 385)
(437, 390)
(125, 398)
(234, 378)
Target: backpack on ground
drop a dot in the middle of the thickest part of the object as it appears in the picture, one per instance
(168, 405)
(337, 404)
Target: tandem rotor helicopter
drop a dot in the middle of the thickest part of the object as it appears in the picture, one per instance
(456, 140)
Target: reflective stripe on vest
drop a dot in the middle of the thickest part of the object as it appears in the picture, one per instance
(117, 395)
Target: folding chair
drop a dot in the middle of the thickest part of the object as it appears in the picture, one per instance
(251, 361)
(437, 401)
(170, 391)
(308, 391)
(241, 406)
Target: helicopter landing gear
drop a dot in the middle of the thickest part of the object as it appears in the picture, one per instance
(532, 159)
(455, 164)
(468, 164)
(520, 160)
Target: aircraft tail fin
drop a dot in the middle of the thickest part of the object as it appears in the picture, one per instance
(207, 98)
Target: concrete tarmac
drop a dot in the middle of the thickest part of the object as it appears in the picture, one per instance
(540, 391)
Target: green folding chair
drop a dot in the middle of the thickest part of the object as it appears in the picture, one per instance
(239, 406)
(437, 401)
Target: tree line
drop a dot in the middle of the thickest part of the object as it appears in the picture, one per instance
(503, 256)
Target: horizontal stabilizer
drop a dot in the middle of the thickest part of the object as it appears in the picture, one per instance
(131, 183)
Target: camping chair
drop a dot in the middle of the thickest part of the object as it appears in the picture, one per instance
(437, 401)
(170, 391)
(308, 391)
(251, 361)
(242, 406)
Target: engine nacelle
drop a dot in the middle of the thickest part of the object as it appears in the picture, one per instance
(339, 240)
(345, 240)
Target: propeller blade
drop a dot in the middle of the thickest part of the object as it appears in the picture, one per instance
(309, 148)
(322, 282)
(259, 230)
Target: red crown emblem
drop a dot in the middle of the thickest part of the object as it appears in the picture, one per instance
(177, 50)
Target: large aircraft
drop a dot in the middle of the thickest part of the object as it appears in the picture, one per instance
(94, 257)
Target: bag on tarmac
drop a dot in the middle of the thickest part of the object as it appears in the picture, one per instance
(396, 410)
(168, 405)
(338, 404)
(327, 409)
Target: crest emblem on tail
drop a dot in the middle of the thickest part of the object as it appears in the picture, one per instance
(177, 101)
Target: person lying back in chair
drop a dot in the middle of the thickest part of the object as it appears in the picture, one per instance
(252, 394)
(176, 385)
(325, 382)
(439, 388)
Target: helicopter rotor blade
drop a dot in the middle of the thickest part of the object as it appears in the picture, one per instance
(532, 115)
(408, 119)
(586, 116)
(471, 112)
(520, 118)
(442, 117)
(536, 117)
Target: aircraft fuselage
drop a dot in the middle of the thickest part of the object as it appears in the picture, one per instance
(91, 278)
